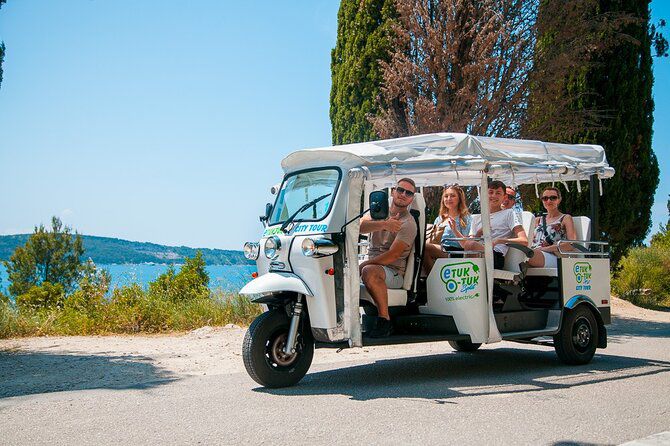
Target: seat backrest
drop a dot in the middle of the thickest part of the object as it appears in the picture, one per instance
(514, 256)
(418, 204)
(582, 228)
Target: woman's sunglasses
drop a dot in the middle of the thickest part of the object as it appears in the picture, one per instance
(550, 198)
(402, 190)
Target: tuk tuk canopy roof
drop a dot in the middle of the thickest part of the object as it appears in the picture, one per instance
(436, 158)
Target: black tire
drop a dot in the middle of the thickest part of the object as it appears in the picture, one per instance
(262, 355)
(576, 343)
(464, 346)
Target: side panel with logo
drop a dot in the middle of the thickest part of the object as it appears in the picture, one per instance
(586, 276)
(457, 287)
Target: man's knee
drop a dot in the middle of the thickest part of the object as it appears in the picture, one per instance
(372, 274)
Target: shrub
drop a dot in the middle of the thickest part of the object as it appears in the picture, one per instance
(189, 283)
(644, 276)
(40, 297)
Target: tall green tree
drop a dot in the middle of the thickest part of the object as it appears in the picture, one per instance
(593, 84)
(363, 39)
(51, 256)
(2, 49)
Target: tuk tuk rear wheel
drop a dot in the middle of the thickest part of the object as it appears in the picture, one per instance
(464, 346)
(262, 350)
(576, 343)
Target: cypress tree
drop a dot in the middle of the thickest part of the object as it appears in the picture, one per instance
(610, 95)
(363, 39)
(2, 49)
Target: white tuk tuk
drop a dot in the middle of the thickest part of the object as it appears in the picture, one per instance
(308, 255)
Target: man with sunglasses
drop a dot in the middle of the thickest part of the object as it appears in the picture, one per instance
(391, 241)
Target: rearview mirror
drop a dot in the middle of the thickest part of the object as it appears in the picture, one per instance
(379, 205)
(268, 212)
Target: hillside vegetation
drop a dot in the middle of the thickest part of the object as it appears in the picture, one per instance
(106, 250)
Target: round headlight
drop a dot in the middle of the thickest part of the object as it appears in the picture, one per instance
(308, 247)
(251, 250)
(272, 246)
(318, 247)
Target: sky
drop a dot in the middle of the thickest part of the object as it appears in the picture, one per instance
(150, 121)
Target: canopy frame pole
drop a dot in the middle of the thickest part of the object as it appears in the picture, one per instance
(494, 334)
(594, 203)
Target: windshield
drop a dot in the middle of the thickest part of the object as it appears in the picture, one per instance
(300, 189)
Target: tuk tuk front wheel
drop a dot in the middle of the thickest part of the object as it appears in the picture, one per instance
(464, 346)
(576, 343)
(263, 355)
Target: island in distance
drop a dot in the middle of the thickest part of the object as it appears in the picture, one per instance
(107, 250)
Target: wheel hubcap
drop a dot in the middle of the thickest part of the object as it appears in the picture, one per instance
(276, 353)
(581, 336)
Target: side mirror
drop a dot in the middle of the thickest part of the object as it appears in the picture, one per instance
(268, 212)
(379, 205)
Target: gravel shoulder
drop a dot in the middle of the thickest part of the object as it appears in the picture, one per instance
(48, 364)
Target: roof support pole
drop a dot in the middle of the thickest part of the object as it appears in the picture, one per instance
(594, 195)
(494, 334)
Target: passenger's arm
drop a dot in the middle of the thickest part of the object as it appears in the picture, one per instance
(519, 237)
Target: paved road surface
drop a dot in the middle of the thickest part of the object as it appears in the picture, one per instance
(503, 394)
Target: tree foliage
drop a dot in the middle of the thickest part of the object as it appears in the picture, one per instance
(458, 65)
(2, 49)
(592, 84)
(48, 256)
(363, 39)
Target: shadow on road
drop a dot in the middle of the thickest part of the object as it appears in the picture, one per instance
(623, 329)
(443, 379)
(27, 373)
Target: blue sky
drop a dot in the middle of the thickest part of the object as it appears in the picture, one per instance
(155, 122)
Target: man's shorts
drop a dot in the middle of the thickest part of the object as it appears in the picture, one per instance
(393, 278)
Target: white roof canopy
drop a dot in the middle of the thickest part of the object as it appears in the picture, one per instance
(438, 158)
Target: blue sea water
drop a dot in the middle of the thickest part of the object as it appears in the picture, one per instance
(225, 277)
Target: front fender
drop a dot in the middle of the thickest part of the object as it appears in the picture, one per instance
(273, 283)
(580, 299)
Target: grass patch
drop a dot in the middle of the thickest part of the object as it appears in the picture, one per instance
(144, 313)
(644, 277)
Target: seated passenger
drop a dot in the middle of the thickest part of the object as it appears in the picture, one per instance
(549, 229)
(452, 207)
(506, 226)
(509, 202)
(391, 241)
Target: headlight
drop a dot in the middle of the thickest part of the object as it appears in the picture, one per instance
(251, 250)
(318, 247)
(272, 247)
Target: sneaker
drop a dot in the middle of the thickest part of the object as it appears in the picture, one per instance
(383, 328)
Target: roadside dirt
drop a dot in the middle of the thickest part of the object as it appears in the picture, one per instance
(92, 361)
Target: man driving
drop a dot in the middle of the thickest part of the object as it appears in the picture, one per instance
(390, 244)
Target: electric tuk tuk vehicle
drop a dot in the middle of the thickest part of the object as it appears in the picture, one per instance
(308, 255)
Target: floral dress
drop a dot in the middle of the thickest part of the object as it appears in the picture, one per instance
(554, 232)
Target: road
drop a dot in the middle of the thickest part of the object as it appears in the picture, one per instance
(505, 393)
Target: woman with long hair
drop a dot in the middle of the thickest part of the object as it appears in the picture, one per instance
(452, 207)
(549, 230)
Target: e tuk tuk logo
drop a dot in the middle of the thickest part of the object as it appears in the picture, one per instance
(460, 279)
(582, 271)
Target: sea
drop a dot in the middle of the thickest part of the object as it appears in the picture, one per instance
(229, 278)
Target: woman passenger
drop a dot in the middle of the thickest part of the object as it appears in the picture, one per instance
(452, 207)
(549, 230)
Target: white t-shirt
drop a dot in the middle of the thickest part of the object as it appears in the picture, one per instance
(502, 226)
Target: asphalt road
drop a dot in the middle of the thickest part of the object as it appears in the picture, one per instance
(503, 394)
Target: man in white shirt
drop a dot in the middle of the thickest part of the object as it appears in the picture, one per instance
(506, 226)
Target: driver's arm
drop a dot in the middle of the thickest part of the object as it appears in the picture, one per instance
(369, 225)
(390, 256)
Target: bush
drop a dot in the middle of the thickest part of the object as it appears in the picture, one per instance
(191, 282)
(644, 277)
(42, 297)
